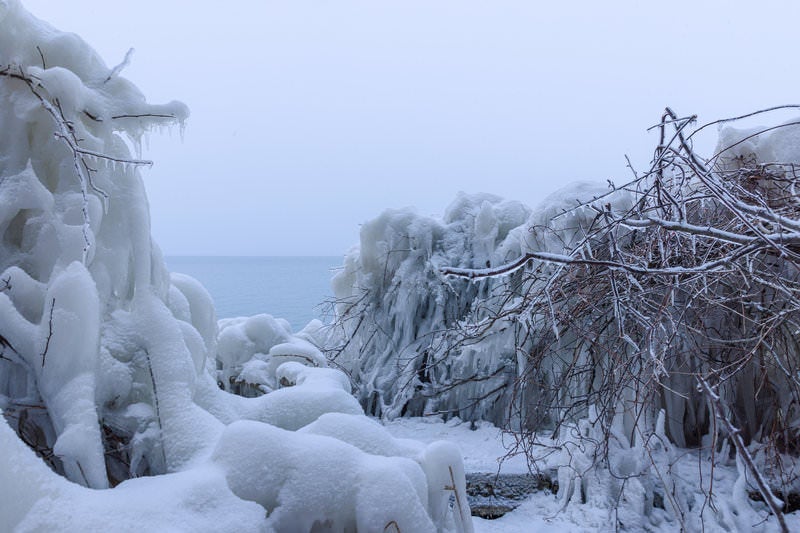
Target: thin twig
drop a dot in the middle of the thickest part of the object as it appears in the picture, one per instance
(50, 332)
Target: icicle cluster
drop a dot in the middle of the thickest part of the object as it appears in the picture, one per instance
(393, 307)
(399, 319)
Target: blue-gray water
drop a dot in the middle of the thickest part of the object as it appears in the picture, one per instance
(288, 287)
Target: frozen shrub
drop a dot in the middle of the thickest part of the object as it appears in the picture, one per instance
(110, 366)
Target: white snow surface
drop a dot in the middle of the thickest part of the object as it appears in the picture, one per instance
(486, 448)
(112, 370)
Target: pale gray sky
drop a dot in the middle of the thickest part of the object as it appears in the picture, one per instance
(311, 117)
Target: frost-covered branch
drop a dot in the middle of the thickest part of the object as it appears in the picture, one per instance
(83, 151)
(145, 115)
(620, 302)
(65, 130)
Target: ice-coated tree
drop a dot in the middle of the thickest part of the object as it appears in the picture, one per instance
(673, 297)
(109, 365)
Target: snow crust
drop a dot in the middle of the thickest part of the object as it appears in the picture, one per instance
(116, 380)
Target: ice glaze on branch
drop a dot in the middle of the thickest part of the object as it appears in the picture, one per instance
(624, 306)
(65, 130)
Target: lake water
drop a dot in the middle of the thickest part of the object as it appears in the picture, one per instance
(293, 288)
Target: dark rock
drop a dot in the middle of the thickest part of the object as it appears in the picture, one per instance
(491, 496)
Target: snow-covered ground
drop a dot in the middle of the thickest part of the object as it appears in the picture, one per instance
(482, 445)
(485, 449)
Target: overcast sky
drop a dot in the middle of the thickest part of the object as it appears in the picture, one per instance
(311, 117)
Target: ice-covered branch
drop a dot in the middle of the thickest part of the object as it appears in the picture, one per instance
(124, 63)
(775, 505)
(65, 131)
(83, 151)
(546, 257)
(49, 331)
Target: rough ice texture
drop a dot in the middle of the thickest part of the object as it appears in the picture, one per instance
(112, 369)
(395, 308)
(393, 301)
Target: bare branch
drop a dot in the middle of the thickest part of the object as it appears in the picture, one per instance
(50, 331)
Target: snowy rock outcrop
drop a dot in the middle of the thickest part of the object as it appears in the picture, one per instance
(110, 367)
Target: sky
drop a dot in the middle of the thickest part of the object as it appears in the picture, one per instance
(310, 117)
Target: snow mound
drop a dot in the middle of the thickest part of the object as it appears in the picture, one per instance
(316, 481)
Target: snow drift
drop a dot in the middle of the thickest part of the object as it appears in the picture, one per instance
(112, 370)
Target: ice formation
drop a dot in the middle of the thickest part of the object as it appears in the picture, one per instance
(397, 313)
(112, 370)
(418, 341)
(393, 301)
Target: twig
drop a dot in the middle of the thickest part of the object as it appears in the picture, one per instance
(116, 70)
(41, 55)
(50, 333)
(454, 488)
(83, 151)
(144, 115)
(155, 401)
(392, 523)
